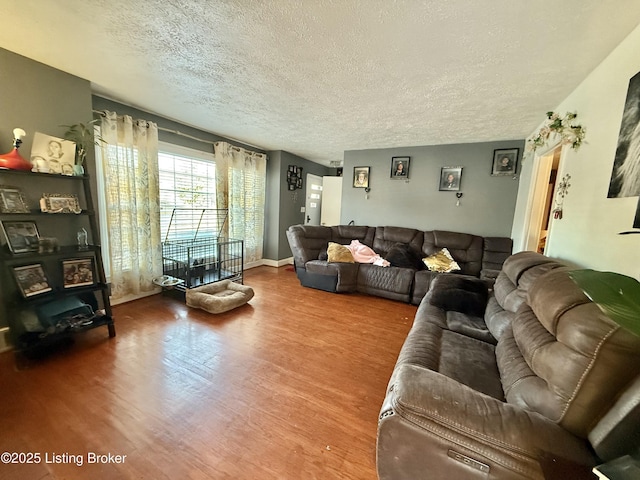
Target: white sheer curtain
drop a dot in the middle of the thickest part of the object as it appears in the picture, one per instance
(240, 188)
(130, 169)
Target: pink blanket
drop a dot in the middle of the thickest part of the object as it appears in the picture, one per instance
(363, 254)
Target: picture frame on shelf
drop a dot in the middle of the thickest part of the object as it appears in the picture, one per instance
(400, 168)
(505, 162)
(78, 272)
(12, 200)
(60, 203)
(52, 155)
(361, 177)
(31, 280)
(22, 237)
(450, 178)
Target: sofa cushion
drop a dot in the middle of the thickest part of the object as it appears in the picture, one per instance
(307, 241)
(387, 237)
(402, 255)
(343, 234)
(345, 274)
(339, 253)
(387, 282)
(571, 360)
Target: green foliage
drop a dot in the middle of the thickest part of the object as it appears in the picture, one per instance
(618, 296)
(83, 135)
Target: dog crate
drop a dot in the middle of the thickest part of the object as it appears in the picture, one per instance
(195, 251)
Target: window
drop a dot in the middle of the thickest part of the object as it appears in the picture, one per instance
(187, 180)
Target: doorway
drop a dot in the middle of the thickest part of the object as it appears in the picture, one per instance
(541, 200)
(313, 200)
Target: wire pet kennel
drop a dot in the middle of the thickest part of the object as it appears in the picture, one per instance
(194, 250)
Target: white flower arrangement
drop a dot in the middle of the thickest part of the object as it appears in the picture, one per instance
(569, 133)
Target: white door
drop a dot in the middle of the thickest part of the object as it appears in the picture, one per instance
(314, 200)
(331, 201)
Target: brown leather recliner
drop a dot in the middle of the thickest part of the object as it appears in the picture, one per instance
(534, 383)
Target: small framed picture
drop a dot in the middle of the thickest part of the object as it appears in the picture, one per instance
(361, 177)
(12, 200)
(505, 162)
(78, 272)
(31, 280)
(400, 167)
(450, 178)
(21, 237)
(52, 155)
(60, 203)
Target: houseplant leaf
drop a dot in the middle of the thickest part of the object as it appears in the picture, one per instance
(618, 296)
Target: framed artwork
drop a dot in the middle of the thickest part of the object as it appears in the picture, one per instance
(504, 162)
(60, 203)
(52, 155)
(294, 177)
(78, 272)
(21, 237)
(31, 280)
(400, 167)
(361, 177)
(450, 178)
(12, 200)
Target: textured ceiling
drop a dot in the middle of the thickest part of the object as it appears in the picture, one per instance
(318, 77)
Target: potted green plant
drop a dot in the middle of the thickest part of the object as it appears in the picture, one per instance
(84, 136)
(617, 295)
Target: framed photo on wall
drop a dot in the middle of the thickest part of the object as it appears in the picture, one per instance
(78, 272)
(31, 280)
(505, 162)
(450, 179)
(361, 177)
(400, 168)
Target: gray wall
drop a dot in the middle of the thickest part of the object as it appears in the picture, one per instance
(283, 206)
(100, 103)
(38, 98)
(486, 207)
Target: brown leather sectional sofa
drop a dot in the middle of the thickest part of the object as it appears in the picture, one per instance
(529, 380)
(477, 256)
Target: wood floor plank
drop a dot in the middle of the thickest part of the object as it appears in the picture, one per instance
(286, 387)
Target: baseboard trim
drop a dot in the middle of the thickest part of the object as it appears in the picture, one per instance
(270, 263)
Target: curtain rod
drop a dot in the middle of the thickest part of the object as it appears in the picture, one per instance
(186, 135)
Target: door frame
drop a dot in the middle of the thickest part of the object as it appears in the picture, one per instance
(307, 197)
(538, 190)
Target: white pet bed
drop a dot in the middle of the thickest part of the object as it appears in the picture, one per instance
(219, 297)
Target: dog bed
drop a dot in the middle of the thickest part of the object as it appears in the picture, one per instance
(219, 297)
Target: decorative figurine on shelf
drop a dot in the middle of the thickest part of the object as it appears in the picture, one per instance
(48, 245)
(13, 160)
(83, 243)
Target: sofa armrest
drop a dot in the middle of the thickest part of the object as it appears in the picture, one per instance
(430, 422)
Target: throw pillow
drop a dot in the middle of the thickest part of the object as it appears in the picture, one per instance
(459, 293)
(441, 261)
(339, 253)
(402, 255)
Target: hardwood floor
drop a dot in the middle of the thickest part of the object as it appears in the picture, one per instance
(287, 387)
